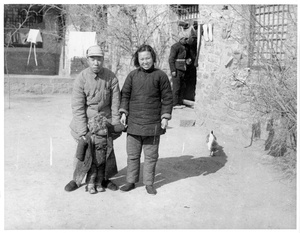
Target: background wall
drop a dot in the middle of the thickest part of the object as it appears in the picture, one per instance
(217, 62)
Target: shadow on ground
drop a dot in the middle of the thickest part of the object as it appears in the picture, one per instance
(173, 169)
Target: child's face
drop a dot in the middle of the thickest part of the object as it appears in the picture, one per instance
(145, 60)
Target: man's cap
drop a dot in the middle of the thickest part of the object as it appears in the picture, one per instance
(94, 50)
(183, 24)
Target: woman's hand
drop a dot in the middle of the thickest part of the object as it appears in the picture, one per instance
(123, 119)
(164, 123)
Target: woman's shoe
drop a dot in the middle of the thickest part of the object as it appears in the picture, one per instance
(151, 190)
(127, 187)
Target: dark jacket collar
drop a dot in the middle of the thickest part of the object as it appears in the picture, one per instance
(147, 71)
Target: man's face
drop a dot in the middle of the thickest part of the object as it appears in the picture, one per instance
(190, 40)
(96, 63)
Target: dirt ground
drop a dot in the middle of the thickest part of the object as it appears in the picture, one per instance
(236, 189)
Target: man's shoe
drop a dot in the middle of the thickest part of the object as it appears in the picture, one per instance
(151, 190)
(127, 187)
(110, 185)
(71, 186)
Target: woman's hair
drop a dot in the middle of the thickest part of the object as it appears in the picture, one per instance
(143, 48)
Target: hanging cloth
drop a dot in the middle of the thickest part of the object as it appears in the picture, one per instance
(199, 37)
(34, 36)
(79, 42)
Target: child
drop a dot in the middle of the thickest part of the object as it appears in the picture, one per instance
(95, 176)
(93, 151)
(146, 106)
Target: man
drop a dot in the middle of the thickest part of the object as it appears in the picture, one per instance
(178, 61)
(95, 93)
(181, 62)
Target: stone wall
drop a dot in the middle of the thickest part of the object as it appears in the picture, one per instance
(35, 84)
(16, 60)
(218, 101)
(219, 59)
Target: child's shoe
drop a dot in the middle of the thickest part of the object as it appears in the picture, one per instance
(91, 189)
(100, 188)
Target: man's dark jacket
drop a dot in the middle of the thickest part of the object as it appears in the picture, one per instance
(177, 57)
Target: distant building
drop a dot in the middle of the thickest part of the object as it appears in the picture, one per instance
(18, 20)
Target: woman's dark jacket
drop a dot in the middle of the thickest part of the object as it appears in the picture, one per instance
(146, 98)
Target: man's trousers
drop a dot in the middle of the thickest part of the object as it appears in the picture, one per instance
(178, 87)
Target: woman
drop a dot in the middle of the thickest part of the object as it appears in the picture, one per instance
(146, 108)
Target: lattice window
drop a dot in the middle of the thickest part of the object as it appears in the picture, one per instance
(269, 33)
(18, 19)
(186, 11)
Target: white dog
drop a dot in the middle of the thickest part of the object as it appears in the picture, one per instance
(212, 143)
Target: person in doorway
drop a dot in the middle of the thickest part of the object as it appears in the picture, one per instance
(95, 97)
(146, 108)
(177, 63)
(179, 60)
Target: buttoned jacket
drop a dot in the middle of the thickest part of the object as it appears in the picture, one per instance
(177, 57)
(146, 100)
(94, 93)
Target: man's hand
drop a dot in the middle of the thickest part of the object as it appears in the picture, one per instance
(164, 123)
(188, 61)
(81, 137)
(173, 73)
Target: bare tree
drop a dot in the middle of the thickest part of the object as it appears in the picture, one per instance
(130, 26)
(122, 28)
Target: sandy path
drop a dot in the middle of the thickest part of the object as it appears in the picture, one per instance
(235, 190)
